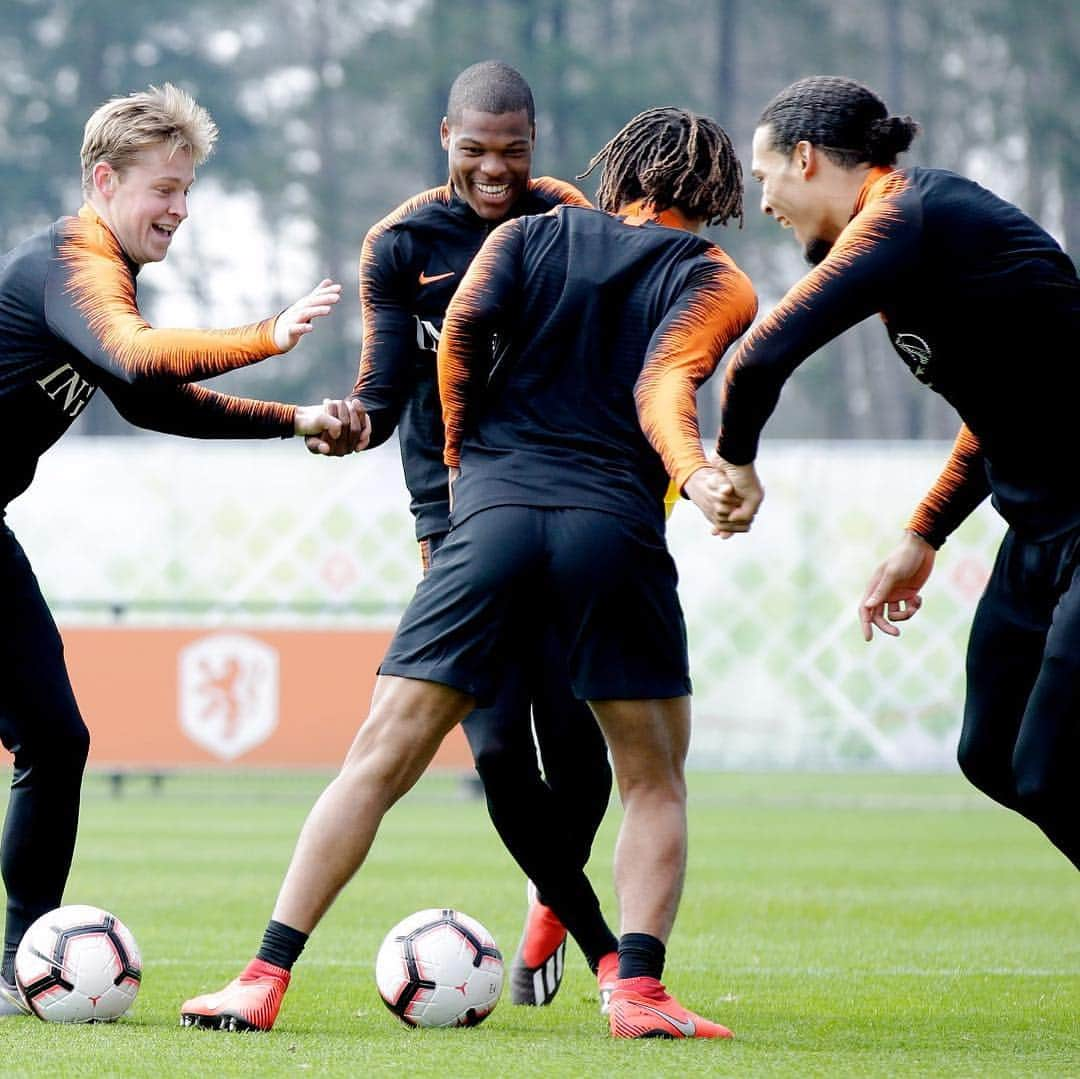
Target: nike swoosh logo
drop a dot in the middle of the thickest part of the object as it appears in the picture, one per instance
(425, 280)
(684, 1026)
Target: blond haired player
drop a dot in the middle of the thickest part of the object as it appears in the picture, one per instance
(69, 326)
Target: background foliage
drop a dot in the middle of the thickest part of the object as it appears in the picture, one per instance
(329, 110)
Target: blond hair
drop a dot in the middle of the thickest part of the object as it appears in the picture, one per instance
(123, 127)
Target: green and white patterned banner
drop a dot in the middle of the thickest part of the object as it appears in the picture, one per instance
(155, 531)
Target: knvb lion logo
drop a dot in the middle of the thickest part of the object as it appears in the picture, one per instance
(917, 355)
(228, 693)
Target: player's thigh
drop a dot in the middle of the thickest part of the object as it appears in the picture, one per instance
(571, 746)
(501, 733)
(37, 704)
(1048, 747)
(1004, 653)
(452, 630)
(617, 587)
(649, 739)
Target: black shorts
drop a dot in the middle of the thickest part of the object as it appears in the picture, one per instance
(607, 583)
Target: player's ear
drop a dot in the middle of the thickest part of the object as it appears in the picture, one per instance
(806, 157)
(444, 133)
(104, 178)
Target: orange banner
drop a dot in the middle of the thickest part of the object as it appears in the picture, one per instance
(159, 698)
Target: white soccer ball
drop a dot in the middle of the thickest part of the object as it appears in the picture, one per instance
(439, 968)
(78, 964)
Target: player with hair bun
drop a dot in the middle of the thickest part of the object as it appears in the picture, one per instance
(983, 306)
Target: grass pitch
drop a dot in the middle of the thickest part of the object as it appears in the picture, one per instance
(870, 925)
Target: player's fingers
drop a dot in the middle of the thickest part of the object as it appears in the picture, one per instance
(882, 623)
(728, 525)
(365, 435)
(874, 593)
(904, 609)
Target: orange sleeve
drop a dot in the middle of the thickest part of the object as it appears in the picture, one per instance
(878, 245)
(465, 352)
(559, 191)
(685, 350)
(388, 352)
(90, 302)
(962, 485)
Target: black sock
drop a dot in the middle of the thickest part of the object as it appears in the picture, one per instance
(641, 956)
(281, 945)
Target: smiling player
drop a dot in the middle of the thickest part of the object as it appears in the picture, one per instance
(69, 325)
(412, 263)
(983, 307)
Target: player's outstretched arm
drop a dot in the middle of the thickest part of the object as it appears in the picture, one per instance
(194, 411)
(354, 432)
(91, 304)
(893, 592)
(298, 318)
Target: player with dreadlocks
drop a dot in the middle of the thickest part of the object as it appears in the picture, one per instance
(562, 437)
(671, 157)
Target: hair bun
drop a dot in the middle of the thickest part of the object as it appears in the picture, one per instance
(890, 136)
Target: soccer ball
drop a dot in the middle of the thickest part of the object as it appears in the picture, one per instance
(78, 964)
(439, 968)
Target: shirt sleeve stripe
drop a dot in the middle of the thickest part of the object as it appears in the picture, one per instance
(687, 352)
(101, 287)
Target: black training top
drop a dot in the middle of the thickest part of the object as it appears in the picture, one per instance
(69, 323)
(604, 328)
(411, 263)
(981, 304)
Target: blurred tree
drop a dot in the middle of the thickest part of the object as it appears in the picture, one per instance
(329, 113)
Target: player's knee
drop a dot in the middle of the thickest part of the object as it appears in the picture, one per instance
(652, 784)
(985, 769)
(73, 747)
(59, 751)
(501, 763)
(1040, 788)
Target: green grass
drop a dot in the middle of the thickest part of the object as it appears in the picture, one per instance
(867, 925)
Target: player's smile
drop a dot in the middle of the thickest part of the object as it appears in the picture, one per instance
(784, 193)
(146, 202)
(163, 231)
(490, 158)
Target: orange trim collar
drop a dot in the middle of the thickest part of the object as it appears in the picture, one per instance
(642, 211)
(872, 177)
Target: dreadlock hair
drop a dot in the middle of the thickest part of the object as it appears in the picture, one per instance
(672, 158)
(489, 86)
(845, 119)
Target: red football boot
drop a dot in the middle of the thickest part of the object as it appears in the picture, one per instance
(537, 970)
(607, 974)
(642, 1008)
(250, 1002)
